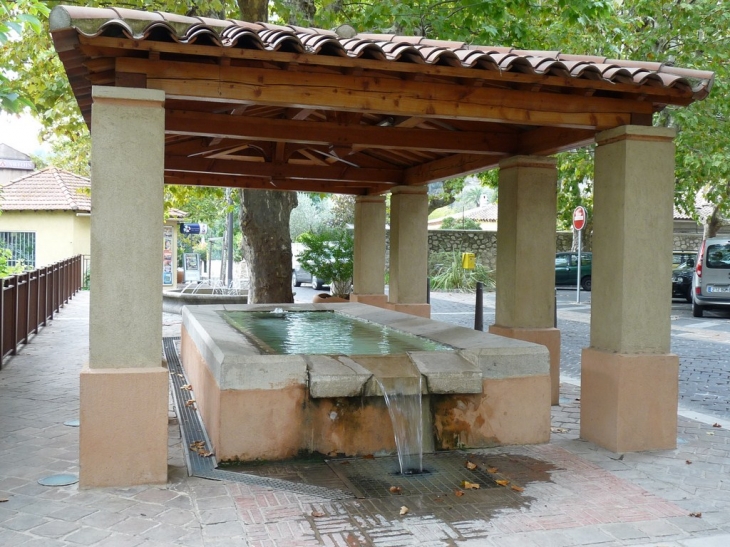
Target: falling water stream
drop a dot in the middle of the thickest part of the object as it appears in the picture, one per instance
(404, 401)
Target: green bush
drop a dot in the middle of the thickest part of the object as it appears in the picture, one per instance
(447, 274)
(5, 269)
(328, 255)
(452, 223)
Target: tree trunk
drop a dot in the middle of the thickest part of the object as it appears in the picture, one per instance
(265, 220)
(713, 223)
(267, 244)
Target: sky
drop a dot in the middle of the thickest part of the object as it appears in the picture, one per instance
(21, 133)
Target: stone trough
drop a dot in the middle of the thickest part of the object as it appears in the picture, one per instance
(486, 391)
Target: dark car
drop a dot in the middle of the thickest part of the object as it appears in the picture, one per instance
(566, 269)
(682, 280)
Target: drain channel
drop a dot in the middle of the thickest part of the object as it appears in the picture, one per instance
(193, 430)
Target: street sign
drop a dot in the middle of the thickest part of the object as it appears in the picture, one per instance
(195, 229)
(579, 218)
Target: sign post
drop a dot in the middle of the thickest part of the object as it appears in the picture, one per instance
(579, 222)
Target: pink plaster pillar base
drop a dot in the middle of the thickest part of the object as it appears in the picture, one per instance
(421, 310)
(378, 300)
(550, 338)
(629, 402)
(123, 434)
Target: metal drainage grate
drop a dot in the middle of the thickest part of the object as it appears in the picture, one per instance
(444, 472)
(193, 430)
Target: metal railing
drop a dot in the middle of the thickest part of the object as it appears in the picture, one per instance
(29, 300)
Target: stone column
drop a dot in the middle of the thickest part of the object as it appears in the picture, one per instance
(629, 380)
(409, 250)
(525, 301)
(124, 388)
(369, 274)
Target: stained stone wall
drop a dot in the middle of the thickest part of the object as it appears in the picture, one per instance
(687, 242)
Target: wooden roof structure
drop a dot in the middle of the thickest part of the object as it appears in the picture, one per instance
(255, 105)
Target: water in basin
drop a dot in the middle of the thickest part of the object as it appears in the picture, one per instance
(324, 333)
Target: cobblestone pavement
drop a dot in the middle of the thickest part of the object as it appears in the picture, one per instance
(568, 492)
(703, 345)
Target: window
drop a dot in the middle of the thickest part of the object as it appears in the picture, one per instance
(718, 256)
(22, 245)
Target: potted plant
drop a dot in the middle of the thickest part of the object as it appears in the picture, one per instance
(328, 255)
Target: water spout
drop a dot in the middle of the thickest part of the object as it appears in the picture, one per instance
(404, 401)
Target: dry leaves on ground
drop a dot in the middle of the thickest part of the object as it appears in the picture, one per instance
(187, 387)
(199, 448)
(502, 482)
(470, 466)
(317, 514)
(492, 470)
(466, 485)
(403, 510)
(558, 430)
(716, 425)
(696, 515)
(517, 488)
(395, 489)
(458, 493)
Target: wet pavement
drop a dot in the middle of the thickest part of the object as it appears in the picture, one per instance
(566, 493)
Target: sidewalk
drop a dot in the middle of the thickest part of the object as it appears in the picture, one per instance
(574, 492)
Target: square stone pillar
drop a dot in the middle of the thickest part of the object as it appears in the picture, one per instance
(369, 252)
(124, 388)
(409, 250)
(525, 277)
(629, 380)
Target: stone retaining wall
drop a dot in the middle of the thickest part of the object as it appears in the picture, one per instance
(484, 244)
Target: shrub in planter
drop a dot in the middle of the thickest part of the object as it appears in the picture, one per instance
(328, 255)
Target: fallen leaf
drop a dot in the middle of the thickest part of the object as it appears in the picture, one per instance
(710, 432)
(403, 510)
(716, 425)
(517, 488)
(458, 493)
(558, 430)
(471, 466)
(3, 500)
(206, 454)
(190, 402)
(368, 457)
(187, 387)
(492, 469)
(688, 462)
(180, 375)
(466, 485)
(352, 541)
(502, 482)
(696, 515)
(317, 514)
(395, 489)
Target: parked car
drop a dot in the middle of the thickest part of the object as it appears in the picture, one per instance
(711, 279)
(680, 258)
(682, 280)
(566, 269)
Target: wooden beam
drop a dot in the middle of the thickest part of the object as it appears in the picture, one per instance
(546, 141)
(186, 122)
(452, 166)
(336, 172)
(233, 181)
(356, 67)
(385, 96)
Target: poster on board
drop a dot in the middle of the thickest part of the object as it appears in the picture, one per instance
(167, 255)
(191, 265)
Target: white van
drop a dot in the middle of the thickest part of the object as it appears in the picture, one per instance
(711, 280)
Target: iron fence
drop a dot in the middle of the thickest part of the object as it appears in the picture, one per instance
(29, 300)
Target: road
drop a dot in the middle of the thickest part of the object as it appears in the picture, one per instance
(703, 344)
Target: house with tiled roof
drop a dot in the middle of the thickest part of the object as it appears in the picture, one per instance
(46, 216)
(13, 164)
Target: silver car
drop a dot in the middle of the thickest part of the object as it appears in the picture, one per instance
(711, 279)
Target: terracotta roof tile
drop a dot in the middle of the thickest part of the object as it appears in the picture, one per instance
(140, 25)
(50, 189)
